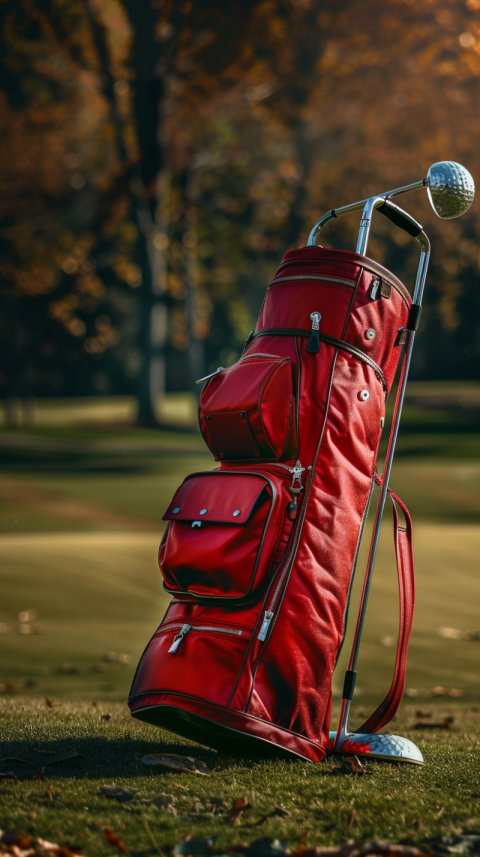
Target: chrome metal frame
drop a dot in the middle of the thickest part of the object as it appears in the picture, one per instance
(392, 747)
(367, 214)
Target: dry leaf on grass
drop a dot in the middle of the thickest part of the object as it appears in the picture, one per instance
(113, 839)
(279, 812)
(442, 724)
(239, 807)
(162, 801)
(452, 692)
(120, 793)
(174, 762)
(50, 703)
(191, 847)
(46, 757)
(22, 845)
(351, 765)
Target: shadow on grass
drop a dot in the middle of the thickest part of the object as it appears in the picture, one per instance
(103, 757)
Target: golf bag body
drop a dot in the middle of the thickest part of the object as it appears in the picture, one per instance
(259, 554)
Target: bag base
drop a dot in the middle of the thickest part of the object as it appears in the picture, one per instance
(223, 729)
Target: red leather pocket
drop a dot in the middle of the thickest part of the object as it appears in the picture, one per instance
(248, 411)
(192, 648)
(223, 532)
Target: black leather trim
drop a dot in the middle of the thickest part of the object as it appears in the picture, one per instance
(330, 340)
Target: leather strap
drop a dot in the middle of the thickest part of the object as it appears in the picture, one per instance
(406, 585)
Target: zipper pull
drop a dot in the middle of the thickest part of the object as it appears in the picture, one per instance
(313, 346)
(265, 625)
(297, 477)
(292, 509)
(178, 638)
(201, 380)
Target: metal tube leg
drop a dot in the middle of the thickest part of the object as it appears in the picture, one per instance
(350, 676)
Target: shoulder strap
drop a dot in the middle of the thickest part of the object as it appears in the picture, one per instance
(406, 585)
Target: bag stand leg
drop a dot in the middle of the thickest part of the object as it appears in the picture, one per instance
(387, 747)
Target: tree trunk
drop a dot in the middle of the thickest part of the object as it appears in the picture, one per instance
(148, 95)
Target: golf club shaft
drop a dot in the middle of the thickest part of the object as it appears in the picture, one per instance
(342, 730)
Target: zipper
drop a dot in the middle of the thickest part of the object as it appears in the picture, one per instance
(313, 346)
(295, 489)
(226, 368)
(371, 268)
(185, 629)
(330, 340)
(338, 280)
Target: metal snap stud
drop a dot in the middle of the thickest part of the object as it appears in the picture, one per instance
(203, 511)
(364, 395)
(176, 510)
(370, 333)
(236, 513)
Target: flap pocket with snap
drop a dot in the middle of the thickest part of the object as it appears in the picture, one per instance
(223, 531)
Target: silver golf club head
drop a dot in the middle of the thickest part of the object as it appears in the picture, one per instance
(450, 189)
(389, 748)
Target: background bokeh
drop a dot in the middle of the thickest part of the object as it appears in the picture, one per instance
(157, 161)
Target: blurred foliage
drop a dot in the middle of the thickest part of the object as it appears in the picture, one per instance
(162, 174)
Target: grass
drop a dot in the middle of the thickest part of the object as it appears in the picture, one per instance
(395, 802)
(81, 502)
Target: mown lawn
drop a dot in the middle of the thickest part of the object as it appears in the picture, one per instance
(392, 802)
(80, 522)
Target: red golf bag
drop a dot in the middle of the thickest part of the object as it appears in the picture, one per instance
(260, 553)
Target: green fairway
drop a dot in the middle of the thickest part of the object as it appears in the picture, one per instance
(396, 802)
(81, 505)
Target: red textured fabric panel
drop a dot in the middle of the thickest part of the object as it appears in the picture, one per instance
(280, 677)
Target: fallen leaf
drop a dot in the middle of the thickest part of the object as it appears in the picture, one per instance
(50, 703)
(49, 793)
(120, 793)
(191, 847)
(15, 837)
(113, 839)
(279, 811)
(162, 801)
(177, 763)
(46, 757)
(453, 692)
(442, 724)
(457, 634)
(267, 848)
(439, 814)
(117, 658)
(239, 807)
(351, 765)
(353, 819)
(420, 712)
